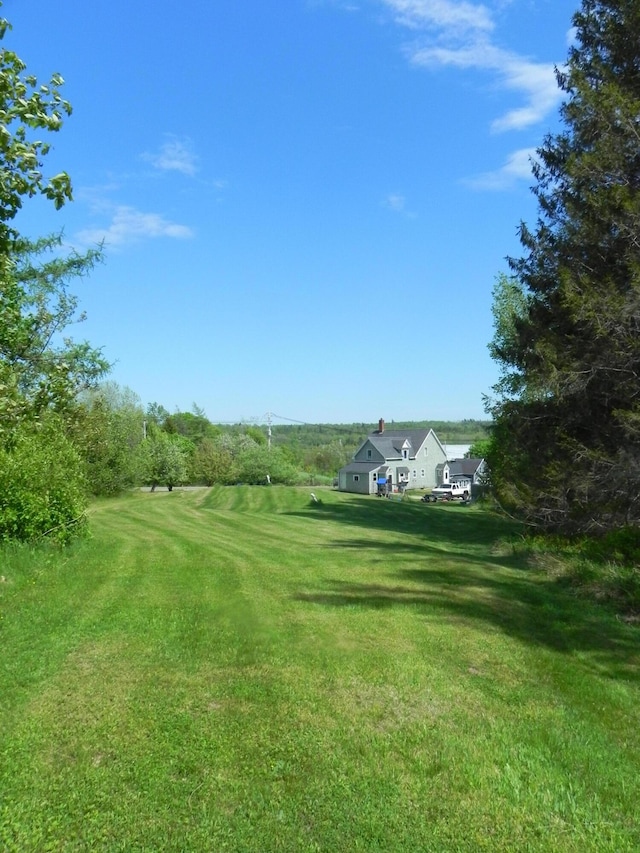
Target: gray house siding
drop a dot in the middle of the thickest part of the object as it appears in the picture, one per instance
(435, 455)
(368, 453)
(359, 477)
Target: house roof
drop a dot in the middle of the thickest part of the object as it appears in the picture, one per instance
(464, 466)
(390, 442)
(362, 467)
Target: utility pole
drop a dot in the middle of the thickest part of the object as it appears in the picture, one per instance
(268, 430)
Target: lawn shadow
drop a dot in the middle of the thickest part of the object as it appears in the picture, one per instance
(396, 552)
(454, 523)
(448, 569)
(529, 608)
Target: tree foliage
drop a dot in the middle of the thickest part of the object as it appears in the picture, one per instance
(566, 444)
(41, 369)
(165, 459)
(26, 107)
(480, 449)
(192, 425)
(42, 485)
(108, 431)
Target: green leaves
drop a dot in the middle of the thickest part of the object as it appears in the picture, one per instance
(42, 487)
(25, 107)
(58, 190)
(165, 458)
(41, 370)
(45, 368)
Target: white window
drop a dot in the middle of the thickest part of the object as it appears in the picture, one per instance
(356, 478)
(422, 472)
(414, 474)
(405, 454)
(375, 476)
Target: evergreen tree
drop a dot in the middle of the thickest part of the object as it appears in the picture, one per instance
(566, 444)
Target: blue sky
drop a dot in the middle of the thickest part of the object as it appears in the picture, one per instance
(304, 204)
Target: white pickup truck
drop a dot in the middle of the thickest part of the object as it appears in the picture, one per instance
(447, 492)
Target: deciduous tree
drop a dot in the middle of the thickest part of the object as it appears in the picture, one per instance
(108, 431)
(165, 458)
(41, 370)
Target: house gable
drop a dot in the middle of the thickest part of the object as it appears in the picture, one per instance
(368, 452)
(411, 456)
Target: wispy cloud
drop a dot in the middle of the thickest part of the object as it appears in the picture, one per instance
(453, 15)
(535, 80)
(129, 225)
(395, 202)
(176, 155)
(517, 167)
(459, 34)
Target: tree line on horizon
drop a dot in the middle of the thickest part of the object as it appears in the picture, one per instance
(563, 421)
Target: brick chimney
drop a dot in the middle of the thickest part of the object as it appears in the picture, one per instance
(380, 426)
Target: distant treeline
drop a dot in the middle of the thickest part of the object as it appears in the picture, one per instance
(301, 437)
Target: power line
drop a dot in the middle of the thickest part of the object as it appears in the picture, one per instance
(290, 420)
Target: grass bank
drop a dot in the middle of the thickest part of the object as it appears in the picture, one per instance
(242, 669)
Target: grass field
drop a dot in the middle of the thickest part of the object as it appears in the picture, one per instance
(241, 669)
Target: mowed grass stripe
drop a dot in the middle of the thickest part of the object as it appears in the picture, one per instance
(242, 669)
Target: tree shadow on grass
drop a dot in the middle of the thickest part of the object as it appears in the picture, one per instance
(447, 551)
(530, 609)
(454, 523)
(448, 570)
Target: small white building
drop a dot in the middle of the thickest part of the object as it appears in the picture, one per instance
(465, 472)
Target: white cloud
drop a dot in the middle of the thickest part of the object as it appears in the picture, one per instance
(129, 225)
(174, 156)
(517, 167)
(458, 34)
(535, 80)
(395, 202)
(441, 14)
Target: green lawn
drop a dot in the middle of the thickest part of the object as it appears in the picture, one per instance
(240, 669)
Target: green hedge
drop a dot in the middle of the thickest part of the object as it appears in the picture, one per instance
(42, 486)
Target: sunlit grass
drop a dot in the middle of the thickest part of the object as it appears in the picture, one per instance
(243, 669)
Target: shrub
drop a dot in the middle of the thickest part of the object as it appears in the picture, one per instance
(42, 486)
